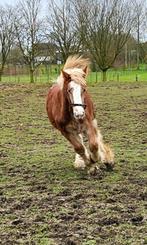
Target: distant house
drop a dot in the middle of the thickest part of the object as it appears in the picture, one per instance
(45, 52)
(43, 59)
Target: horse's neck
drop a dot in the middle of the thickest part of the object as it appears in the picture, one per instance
(64, 107)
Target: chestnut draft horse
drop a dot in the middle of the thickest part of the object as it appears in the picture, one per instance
(70, 110)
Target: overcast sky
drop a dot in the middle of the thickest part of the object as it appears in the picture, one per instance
(14, 2)
(44, 9)
(11, 2)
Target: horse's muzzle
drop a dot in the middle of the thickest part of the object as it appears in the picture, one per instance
(78, 111)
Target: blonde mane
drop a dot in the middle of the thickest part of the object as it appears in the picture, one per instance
(77, 67)
(76, 61)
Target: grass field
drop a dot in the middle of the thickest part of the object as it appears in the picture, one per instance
(44, 200)
(118, 75)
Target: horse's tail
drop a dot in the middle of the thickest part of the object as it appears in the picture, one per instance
(105, 152)
(109, 154)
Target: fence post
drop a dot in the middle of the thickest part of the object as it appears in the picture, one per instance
(96, 76)
(117, 77)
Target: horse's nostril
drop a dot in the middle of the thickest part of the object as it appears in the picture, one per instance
(78, 112)
(80, 116)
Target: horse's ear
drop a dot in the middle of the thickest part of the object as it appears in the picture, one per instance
(65, 75)
(85, 70)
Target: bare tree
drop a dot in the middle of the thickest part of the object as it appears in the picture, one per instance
(6, 35)
(105, 27)
(140, 17)
(29, 32)
(62, 28)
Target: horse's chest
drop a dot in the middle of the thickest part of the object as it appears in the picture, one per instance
(76, 127)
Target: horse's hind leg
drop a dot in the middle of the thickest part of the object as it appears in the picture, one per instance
(105, 153)
(98, 149)
(93, 142)
(82, 156)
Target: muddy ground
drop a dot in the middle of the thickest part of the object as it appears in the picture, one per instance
(44, 200)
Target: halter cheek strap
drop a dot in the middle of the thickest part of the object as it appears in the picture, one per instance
(83, 105)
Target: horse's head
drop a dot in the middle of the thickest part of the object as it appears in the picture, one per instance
(75, 92)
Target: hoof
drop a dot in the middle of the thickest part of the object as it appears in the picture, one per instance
(109, 165)
(93, 171)
(79, 162)
(79, 165)
(92, 161)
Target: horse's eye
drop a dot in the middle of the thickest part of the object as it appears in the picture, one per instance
(69, 90)
(83, 90)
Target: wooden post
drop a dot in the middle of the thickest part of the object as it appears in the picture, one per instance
(117, 77)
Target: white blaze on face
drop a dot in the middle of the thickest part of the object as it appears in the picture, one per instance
(76, 98)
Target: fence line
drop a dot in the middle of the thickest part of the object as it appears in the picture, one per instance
(48, 73)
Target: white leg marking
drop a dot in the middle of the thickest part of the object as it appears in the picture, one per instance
(79, 161)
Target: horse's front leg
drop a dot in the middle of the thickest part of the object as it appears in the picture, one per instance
(82, 156)
(79, 161)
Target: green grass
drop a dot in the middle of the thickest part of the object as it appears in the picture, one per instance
(44, 200)
(119, 76)
(49, 76)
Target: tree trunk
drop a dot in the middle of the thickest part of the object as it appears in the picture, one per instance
(126, 56)
(31, 76)
(0, 76)
(1, 73)
(104, 75)
(138, 40)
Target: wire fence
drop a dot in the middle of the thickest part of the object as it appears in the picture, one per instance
(49, 73)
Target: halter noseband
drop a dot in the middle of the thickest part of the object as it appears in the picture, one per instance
(83, 105)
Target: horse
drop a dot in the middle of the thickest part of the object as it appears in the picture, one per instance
(70, 110)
